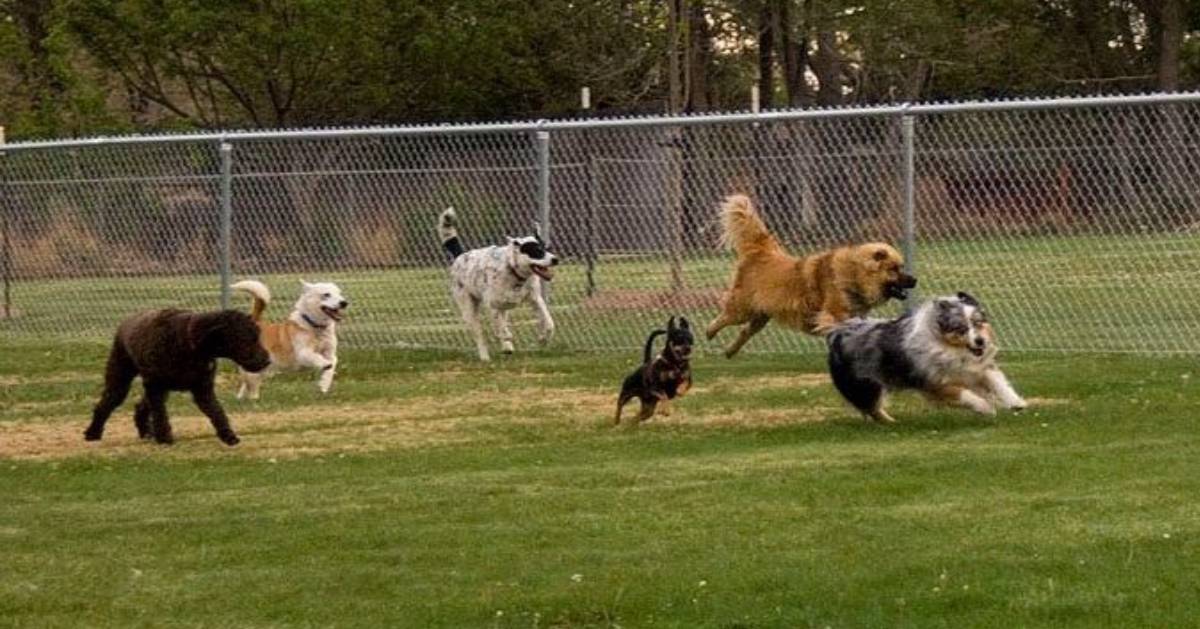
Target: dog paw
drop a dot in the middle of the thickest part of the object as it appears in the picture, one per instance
(1018, 405)
(164, 440)
(92, 435)
(229, 438)
(506, 347)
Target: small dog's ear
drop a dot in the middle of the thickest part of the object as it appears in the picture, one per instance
(683, 323)
(967, 299)
(671, 325)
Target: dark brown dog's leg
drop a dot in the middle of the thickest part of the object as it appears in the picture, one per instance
(756, 324)
(160, 425)
(118, 374)
(141, 418)
(207, 401)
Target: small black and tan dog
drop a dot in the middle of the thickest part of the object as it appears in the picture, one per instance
(664, 378)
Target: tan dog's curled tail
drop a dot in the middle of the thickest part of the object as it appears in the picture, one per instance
(743, 230)
(260, 293)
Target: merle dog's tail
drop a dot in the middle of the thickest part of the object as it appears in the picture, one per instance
(650, 344)
(447, 227)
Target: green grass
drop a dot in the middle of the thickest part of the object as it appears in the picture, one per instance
(431, 491)
(1125, 293)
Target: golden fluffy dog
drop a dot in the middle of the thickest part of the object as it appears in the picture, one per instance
(812, 293)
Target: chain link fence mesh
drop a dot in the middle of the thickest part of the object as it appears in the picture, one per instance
(1076, 222)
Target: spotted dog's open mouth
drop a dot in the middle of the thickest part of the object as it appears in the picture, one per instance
(543, 272)
(332, 313)
(977, 351)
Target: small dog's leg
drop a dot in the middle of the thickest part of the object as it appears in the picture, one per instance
(998, 384)
(664, 407)
(756, 324)
(160, 424)
(118, 375)
(206, 401)
(252, 383)
(647, 410)
(544, 321)
(622, 400)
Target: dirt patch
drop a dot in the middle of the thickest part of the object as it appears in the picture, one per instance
(646, 299)
(60, 377)
(764, 383)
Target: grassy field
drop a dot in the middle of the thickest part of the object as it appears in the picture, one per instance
(431, 491)
(1095, 293)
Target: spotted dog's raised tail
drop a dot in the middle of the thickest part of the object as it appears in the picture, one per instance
(448, 231)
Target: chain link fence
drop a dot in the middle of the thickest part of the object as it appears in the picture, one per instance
(1077, 222)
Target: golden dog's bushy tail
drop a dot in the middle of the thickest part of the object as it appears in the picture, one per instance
(743, 230)
(260, 293)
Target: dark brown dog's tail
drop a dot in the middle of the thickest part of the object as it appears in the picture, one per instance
(258, 291)
(743, 230)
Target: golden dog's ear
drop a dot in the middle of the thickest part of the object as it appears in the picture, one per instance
(880, 255)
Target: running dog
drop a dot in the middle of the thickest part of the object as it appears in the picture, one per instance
(667, 376)
(811, 294)
(306, 339)
(175, 350)
(945, 349)
(497, 279)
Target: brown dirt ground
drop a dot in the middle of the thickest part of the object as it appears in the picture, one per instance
(406, 423)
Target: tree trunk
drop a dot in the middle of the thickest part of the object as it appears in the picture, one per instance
(828, 67)
(674, 85)
(699, 53)
(795, 56)
(1170, 44)
(766, 53)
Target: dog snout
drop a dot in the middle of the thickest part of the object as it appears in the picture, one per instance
(907, 281)
(553, 260)
(343, 303)
(979, 341)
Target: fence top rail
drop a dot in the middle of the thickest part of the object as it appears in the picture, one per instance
(777, 115)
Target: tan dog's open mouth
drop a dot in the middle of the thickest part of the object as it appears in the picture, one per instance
(332, 313)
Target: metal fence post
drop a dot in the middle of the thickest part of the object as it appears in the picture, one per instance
(910, 240)
(542, 140)
(5, 227)
(225, 244)
(543, 184)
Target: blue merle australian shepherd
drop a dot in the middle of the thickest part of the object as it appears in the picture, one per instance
(945, 349)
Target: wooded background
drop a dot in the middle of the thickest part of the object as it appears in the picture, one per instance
(80, 67)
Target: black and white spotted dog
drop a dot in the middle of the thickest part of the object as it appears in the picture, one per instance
(945, 349)
(496, 279)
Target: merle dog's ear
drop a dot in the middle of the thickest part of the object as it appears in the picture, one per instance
(967, 299)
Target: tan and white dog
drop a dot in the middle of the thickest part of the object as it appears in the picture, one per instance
(306, 339)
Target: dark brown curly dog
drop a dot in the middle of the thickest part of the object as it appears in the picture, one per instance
(175, 350)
